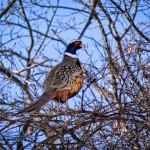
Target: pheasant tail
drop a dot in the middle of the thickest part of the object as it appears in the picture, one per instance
(43, 99)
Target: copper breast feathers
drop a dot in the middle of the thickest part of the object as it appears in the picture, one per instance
(65, 76)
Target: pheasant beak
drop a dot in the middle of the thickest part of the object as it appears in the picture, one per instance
(82, 45)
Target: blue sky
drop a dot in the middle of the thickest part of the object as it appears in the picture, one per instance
(64, 18)
(51, 49)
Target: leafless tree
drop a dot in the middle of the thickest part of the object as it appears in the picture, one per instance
(112, 111)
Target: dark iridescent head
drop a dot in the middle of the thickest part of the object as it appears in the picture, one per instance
(73, 47)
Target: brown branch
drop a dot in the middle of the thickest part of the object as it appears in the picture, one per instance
(8, 73)
(89, 20)
(28, 68)
(9, 5)
(29, 28)
(109, 59)
(127, 16)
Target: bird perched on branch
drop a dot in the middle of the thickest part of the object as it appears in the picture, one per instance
(63, 81)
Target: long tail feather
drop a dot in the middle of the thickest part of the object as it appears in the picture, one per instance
(43, 99)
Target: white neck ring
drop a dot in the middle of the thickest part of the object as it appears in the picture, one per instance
(71, 55)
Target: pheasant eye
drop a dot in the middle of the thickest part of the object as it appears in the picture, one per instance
(77, 43)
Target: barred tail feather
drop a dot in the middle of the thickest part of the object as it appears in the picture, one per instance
(43, 99)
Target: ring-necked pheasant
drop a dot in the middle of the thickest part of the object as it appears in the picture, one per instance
(63, 81)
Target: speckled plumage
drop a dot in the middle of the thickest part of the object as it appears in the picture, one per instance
(63, 81)
(66, 77)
